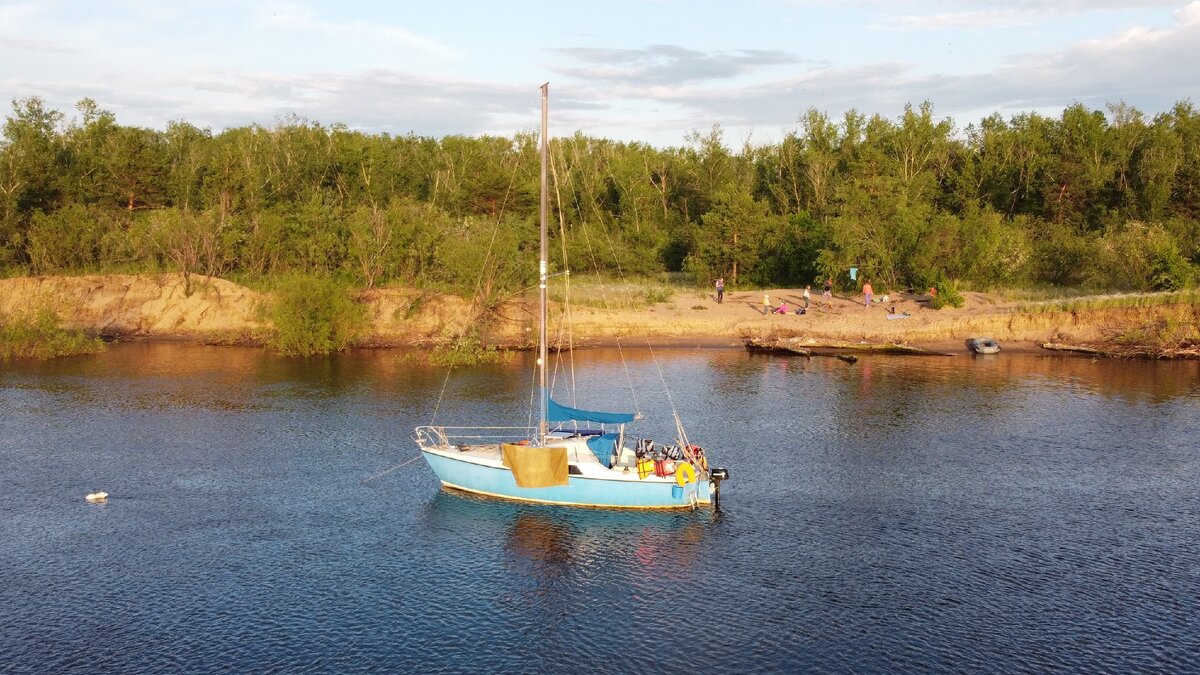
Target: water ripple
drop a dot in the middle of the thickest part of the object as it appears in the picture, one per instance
(906, 516)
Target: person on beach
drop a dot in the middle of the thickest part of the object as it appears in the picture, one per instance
(766, 303)
(720, 289)
(782, 308)
(827, 294)
(867, 292)
(806, 297)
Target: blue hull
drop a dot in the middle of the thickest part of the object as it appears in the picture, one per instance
(581, 491)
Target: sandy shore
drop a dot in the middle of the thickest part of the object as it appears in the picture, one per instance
(697, 320)
(158, 307)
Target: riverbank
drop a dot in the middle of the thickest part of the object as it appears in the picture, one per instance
(220, 311)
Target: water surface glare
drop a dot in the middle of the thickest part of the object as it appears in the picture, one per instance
(1016, 513)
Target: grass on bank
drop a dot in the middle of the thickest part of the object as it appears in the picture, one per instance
(40, 335)
(600, 294)
(1111, 301)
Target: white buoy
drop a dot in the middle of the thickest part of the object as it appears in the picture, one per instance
(97, 496)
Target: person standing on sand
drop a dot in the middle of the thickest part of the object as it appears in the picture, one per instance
(867, 292)
(806, 297)
(766, 303)
(827, 294)
(720, 289)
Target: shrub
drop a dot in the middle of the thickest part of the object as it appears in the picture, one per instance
(1170, 271)
(657, 295)
(40, 336)
(465, 350)
(947, 294)
(64, 240)
(313, 315)
(1139, 256)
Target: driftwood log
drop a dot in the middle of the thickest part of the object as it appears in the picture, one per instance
(1126, 351)
(1060, 347)
(835, 348)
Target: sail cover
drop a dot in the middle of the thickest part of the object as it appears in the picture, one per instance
(557, 412)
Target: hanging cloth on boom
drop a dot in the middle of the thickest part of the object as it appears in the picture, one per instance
(534, 467)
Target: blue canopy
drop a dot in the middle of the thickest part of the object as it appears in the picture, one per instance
(561, 413)
(603, 447)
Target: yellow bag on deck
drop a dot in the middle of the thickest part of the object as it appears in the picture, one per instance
(534, 467)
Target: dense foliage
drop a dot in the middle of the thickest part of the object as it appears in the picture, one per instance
(1086, 200)
(313, 315)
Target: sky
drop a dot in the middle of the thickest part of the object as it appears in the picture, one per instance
(651, 71)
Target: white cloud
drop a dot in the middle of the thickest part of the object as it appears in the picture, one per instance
(373, 101)
(1042, 6)
(978, 14)
(667, 64)
(977, 19)
(290, 16)
(44, 46)
(1189, 15)
(1140, 66)
(12, 13)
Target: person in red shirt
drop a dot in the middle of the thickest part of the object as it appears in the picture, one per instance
(867, 292)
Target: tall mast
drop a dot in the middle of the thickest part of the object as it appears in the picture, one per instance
(543, 413)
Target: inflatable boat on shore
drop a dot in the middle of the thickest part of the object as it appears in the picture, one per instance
(983, 345)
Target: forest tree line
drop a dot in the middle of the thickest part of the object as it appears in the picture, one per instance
(1090, 200)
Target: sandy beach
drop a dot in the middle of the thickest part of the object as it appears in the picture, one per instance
(694, 319)
(158, 307)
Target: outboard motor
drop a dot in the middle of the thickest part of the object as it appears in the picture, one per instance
(717, 475)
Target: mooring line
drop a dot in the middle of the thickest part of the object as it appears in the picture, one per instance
(381, 473)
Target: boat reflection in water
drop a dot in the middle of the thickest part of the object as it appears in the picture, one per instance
(552, 544)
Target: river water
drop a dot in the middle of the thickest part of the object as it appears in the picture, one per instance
(1015, 513)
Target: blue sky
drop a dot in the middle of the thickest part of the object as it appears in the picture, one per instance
(647, 71)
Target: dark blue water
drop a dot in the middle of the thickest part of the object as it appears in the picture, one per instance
(1017, 513)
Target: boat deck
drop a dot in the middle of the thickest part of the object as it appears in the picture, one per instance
(578, 451)
(480, 450)
(582, 460)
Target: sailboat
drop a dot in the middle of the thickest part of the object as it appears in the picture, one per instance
(573, 457)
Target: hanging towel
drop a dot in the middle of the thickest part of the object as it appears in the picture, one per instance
(536, 467)
(853, 273)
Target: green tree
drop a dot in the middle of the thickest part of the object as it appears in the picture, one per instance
(1184, 120)
(731, 241)
(995, 251)
(1083, 169)
(397, 242)
(31, 161)
(187, 151)
(920, 149)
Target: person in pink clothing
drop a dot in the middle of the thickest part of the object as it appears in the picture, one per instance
(867, 292)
